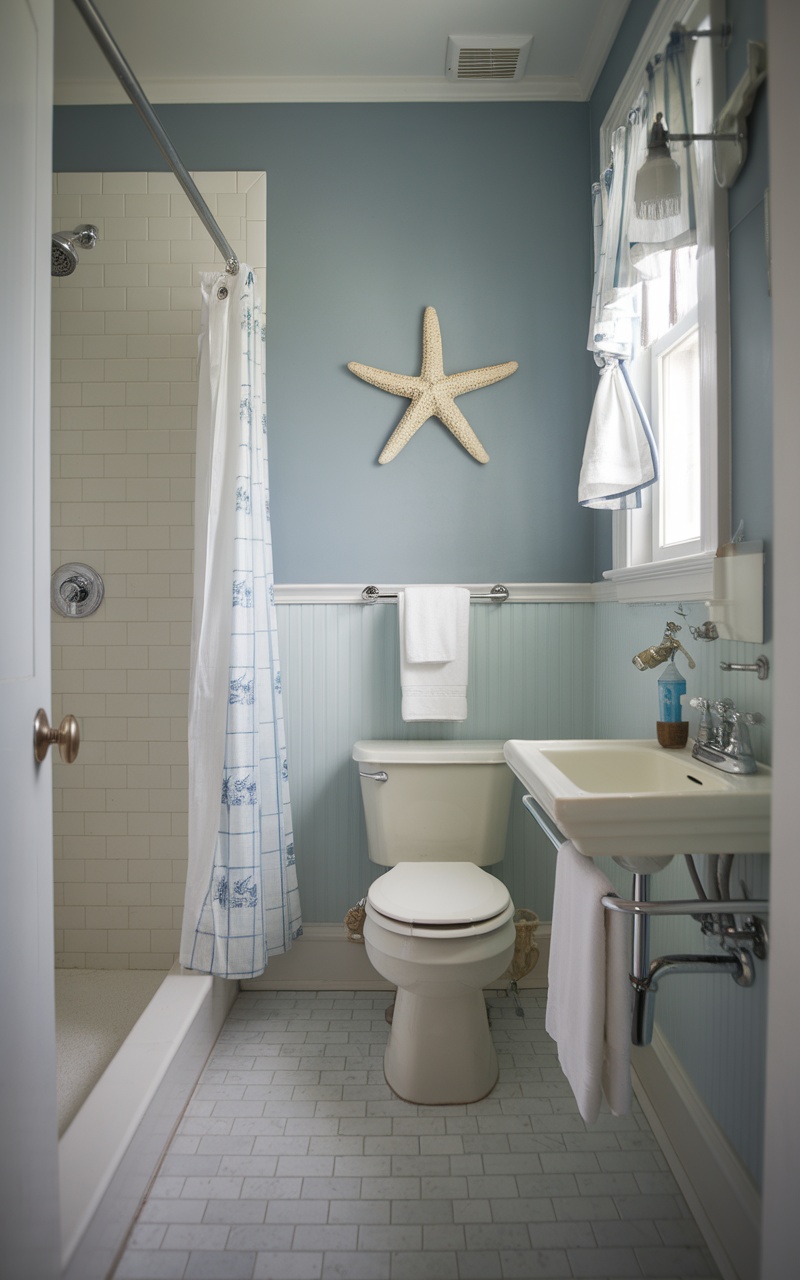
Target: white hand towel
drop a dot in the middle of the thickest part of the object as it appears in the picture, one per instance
(436, 690)
(589, 999)
(430, 623)
(619, 458)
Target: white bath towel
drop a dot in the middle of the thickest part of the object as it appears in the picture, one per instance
(430, 623)
(436, 690)
(589, 1000)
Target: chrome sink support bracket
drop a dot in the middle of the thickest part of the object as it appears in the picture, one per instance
(717, 918)
(642, 1013)
(646, 974)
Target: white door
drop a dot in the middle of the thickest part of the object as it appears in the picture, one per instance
(29, 1234)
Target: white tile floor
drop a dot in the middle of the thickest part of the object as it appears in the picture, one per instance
(294, 1161)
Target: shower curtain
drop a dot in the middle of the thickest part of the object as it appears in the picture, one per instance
(242, 904)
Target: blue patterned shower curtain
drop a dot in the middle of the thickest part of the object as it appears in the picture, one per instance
(242, 904)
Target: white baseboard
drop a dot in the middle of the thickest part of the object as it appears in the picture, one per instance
(718, 1189)
(324, 959)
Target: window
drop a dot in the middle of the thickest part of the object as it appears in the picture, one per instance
(676, 409)
(680, 368)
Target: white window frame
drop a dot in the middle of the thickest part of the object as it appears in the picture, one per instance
(688, 577)
(659, 350)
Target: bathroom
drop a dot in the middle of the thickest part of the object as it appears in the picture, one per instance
(352, 261)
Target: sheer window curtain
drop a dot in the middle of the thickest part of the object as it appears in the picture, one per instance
(642, 283)
(242, 903)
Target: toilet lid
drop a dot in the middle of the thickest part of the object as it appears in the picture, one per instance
(438, 893)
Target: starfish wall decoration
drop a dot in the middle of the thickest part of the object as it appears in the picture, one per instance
(433, 393)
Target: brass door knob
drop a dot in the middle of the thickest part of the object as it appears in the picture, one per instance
(67, 735)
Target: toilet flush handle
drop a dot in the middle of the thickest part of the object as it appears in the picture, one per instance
(380, 776)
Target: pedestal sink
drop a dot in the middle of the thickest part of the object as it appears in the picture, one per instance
(631, 798)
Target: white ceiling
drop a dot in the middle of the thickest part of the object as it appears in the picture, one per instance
(329, 50)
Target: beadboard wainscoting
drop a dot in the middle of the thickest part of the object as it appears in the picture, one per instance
(528, 677)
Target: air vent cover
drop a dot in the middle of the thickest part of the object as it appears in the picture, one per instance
(487, 57)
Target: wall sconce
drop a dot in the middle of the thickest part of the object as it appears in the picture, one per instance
(657, 191)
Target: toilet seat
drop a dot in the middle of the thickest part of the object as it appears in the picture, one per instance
(439, 899)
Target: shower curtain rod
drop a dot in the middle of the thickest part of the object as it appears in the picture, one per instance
(137, 96)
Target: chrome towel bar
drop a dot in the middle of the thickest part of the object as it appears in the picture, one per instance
(686, 907)
(549, 828)
(497, 595)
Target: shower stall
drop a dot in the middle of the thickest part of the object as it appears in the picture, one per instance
(125, 323)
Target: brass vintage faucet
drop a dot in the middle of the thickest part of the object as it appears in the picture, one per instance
(658, 653)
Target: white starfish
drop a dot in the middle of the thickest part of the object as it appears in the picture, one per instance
(433, 393)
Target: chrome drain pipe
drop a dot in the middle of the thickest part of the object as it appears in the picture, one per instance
(646, 974)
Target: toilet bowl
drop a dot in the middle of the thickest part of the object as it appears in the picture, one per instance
(440, 1047)
(437, 925)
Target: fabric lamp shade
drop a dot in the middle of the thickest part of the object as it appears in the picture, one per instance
(657, 193)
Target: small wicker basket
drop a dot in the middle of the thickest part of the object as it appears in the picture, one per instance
(526, 952)
(671, 734)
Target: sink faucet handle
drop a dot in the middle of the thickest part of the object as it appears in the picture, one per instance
(738, 744)
(705, 729)
(723, 707)
(719, 732)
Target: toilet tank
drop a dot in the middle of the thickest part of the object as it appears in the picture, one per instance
(441, 801)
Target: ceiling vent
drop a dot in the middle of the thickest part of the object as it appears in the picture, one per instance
(487, 57)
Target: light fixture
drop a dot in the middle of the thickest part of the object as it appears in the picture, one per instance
(657, 193)
(657, 190)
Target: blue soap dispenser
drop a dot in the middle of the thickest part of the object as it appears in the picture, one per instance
(671, 688)
(671, 729)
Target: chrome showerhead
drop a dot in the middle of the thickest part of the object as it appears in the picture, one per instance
(63, 254)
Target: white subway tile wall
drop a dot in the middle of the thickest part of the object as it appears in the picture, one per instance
(125, 327)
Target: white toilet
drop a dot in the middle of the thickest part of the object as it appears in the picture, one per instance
(438, 927)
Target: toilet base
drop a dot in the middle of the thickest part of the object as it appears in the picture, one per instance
(458, 1063)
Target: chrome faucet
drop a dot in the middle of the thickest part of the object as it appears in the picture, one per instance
(723, 737)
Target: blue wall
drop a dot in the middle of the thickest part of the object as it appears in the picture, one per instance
(373, 213)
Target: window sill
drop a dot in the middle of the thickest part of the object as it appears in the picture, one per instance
(687, 578)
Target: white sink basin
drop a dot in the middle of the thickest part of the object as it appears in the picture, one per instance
(635, 799)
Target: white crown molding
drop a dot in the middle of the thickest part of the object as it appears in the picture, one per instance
(519, 592)
(68, 93)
